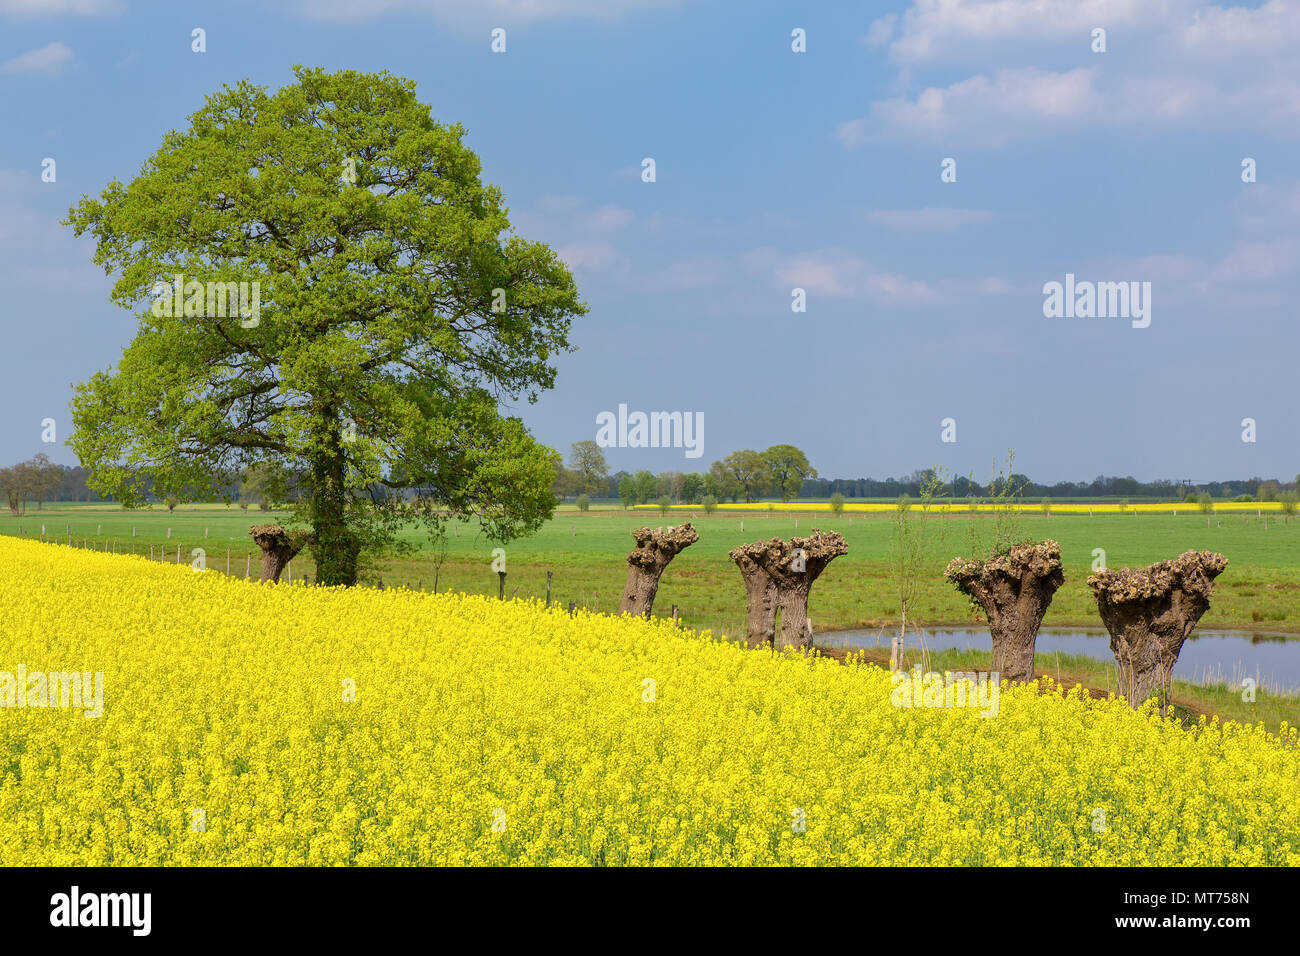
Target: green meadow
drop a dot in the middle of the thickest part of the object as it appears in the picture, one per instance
(1260, 590)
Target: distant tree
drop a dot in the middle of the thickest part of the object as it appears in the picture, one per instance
(627, 491)
(44, 478)
(1267, 490)
(670, 483)
(710, 504)
(171, 502)
(692, 487)
(1288, 500)
(749, 471)
(787, 468)
(665, 503)
(584, 502)
(719, 483)
(1046, 505)
(837, 504)
(568, 482)
(588, 461)
(646, 484)
(11, 488)
(1205, 502)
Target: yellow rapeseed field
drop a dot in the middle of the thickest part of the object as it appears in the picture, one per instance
(244, 724)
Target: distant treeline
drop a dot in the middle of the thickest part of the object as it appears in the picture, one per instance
(38, 480)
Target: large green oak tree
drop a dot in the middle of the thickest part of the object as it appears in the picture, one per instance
(325, 289)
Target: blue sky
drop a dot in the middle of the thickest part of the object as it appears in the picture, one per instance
(775, 170)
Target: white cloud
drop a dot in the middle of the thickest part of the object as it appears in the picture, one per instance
(592, 256)
(500, 12)
(1259, 260)
(582, 235)
(1181, 63)
(840, 275)
(37, 8)
(926, 219)
(987, 108)
(955, 30)
(46, 61)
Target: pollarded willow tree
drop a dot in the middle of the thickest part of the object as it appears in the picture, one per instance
(1149, 613)
(384, 309)
(646, 563)
(779, 576)
(1014, 589)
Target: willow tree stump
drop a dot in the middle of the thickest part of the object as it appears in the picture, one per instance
(278, 547)
(779, 576)
(1014, 590)
(1149, 613)
(646, 563)
(760, 590)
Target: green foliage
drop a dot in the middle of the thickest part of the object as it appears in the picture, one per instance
(719, 482)
(837, 503)
(627, 491)
(997, 534)
(665, 503)
(1205, 502)
(749, 473)
(584, 503)
(913, 540)
(787, 467)
(396, 309)
(710, 504)
(692, 487)
(586, 458)
(644, 484)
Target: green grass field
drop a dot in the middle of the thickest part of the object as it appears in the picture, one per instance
(585, 552)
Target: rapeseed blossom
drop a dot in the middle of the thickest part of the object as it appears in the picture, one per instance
(247, 724)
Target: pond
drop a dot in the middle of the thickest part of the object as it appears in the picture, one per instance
(1207, 657)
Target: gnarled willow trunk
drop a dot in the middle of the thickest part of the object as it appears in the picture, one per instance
(278, 547)
(783, 573)
(653, 551)
(760, 595)
(1149, 613)
(1014, 589)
